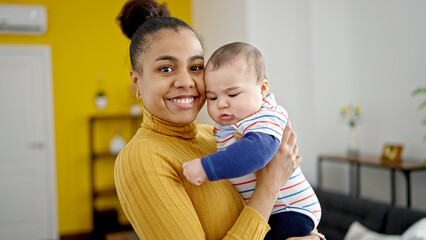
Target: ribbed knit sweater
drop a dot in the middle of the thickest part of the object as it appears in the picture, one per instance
(158, 200)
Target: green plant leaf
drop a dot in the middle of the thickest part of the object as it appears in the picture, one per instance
(418, 90)
(424, 122)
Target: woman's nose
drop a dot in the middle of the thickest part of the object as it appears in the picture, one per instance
(184, 80)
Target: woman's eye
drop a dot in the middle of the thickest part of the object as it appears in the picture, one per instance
(166, 69)
(196, 68)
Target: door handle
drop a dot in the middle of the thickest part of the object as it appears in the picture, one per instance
(36, 145)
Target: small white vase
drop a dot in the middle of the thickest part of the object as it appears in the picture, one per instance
(101, 101)
(353, 142)
(116, 144)
(135, 110)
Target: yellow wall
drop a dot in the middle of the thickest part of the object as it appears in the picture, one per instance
(86, 43)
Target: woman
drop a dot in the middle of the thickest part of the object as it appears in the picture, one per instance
(167, 61)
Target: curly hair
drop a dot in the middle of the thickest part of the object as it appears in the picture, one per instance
(140, 20)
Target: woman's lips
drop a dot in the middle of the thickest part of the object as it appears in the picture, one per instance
(183, 102)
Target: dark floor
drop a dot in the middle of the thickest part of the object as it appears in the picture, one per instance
(82, 236)
(125, 235)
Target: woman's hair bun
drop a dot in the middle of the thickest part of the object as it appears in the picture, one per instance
(136, 12)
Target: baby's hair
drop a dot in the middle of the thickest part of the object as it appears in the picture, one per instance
(229, 53)
(141, 20)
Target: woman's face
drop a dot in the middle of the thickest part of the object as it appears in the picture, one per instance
(170, 76)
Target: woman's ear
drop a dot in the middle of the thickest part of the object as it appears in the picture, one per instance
(264, 87)
(134, 76)
(136, 80)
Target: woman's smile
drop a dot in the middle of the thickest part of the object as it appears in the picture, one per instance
(183, 102)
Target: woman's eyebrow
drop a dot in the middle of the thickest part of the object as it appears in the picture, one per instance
(171, 58)
(196, 57)
(165, 57)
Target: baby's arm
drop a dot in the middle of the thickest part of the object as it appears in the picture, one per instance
(246, 156)
(240, 158)
(194, 172)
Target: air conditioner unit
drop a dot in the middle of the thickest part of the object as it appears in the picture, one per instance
(23, 19)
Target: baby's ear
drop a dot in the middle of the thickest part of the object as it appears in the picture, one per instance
(264, 87)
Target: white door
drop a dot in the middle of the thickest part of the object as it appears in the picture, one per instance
(28, 208)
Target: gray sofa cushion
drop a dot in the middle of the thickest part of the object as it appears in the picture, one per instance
(400, 219)
(340, 211)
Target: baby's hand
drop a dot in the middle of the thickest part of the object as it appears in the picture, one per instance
(194, 172)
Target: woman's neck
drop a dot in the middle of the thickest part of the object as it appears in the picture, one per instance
(168, 128)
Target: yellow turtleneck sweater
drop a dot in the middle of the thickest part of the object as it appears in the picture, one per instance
(158, 200)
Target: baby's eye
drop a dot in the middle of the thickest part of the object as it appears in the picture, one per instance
(233, 95)
(212, 98)
(166, 69)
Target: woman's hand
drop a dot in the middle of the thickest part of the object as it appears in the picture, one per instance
(275, 174)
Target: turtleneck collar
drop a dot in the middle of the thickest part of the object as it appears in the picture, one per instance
(167, 128)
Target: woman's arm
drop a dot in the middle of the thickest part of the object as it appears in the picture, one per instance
(153, 197)
(274, 175)
(161, 205)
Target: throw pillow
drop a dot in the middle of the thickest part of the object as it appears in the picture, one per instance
(416, 232)
(358, 232)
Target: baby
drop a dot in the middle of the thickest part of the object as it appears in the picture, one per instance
(238, 100)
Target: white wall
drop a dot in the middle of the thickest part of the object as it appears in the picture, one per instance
(218, 22)
(374, 53)
(323, 54)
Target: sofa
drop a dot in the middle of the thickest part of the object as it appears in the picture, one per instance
(340, 211)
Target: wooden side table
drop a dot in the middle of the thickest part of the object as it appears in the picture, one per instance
(405, 166)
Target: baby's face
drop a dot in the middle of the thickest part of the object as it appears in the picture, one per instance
(233, 92)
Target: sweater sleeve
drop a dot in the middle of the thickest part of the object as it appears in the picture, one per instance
(249, 225)
(156, 203)
(246, 156)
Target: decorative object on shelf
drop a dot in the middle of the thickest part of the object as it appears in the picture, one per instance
(351, 115)
(101, 100)
(135, 110)
(392, 153)
(116, 144)
(353, 142)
